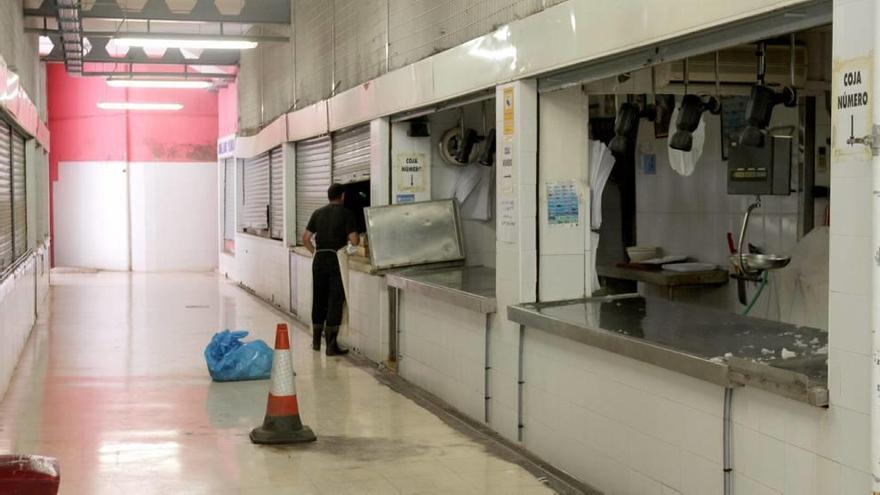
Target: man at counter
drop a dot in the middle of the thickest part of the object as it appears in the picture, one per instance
(330, 229)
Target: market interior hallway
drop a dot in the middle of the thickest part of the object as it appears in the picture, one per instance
(114, 384)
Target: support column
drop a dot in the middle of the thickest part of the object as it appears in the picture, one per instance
(516, 240)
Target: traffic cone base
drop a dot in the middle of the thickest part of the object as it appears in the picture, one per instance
(282, 424)
(282, 430)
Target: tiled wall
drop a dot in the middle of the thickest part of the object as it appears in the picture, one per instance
(301, 286)
(851, 257)
(226, 265)
(367, 331)
(517, 265)
(625, 426)
(17, 310)
(262, 266)
(442, 349)
(565, 260)
(479, 236)
(692, 215)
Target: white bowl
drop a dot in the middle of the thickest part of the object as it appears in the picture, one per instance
(641, 253)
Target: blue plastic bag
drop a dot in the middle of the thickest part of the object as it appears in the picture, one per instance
(230, 359)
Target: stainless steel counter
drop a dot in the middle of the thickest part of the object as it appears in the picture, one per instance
(712, 345)
(471, 287)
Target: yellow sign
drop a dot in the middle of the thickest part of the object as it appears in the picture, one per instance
(508, 113)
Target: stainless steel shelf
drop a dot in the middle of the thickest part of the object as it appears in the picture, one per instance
(712, 345)
(470, 287)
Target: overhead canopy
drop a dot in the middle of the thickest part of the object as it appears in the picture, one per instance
(771, 25)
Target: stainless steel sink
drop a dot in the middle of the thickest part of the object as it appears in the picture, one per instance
(751, 263)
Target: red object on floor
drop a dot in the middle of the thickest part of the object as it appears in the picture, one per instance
(29, 475)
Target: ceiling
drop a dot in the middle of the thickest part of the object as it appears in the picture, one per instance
(85, 34)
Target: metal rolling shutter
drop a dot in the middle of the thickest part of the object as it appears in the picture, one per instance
(312, 178)
(229, 199)
(276, 189)
(256, 193)
(351, 155)
(19, 196)
(5, 196)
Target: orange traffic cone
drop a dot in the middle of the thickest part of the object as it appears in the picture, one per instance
(282, 423)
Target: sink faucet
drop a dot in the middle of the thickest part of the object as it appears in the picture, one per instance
(742, 233)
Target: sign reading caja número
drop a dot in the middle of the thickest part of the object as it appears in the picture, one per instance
(410, 177)
(851, 102)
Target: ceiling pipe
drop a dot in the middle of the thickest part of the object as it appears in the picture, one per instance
(70, 27)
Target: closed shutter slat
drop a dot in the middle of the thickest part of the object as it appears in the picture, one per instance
(312, 178)
(6, 255)
(351, 155)
(229, 199)
(19, 196)
(256, 193)
(276, 217)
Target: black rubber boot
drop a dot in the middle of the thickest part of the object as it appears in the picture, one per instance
(317, 330)
(333, 349)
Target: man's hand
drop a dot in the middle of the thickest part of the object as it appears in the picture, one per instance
(307, 241)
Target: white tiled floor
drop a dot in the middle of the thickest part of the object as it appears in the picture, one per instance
(113, 383)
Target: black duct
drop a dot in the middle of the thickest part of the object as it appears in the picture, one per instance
(626, 126)
(759, 110)
(487, 155)
(689, 113)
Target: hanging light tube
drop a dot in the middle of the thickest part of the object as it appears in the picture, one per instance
(195, 43)
(158, 83)
(129, 105)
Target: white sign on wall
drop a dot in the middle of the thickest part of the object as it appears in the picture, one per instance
(851, 101)
(411, 179)
(507, 215)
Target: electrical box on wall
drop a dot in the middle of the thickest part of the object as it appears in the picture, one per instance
(764, 170)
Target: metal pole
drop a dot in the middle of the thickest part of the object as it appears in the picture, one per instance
(728, 437)
(875, 266)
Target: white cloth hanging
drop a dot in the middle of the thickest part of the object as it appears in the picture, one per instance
(601, 163)
(685, 162)
(801, 288)
(473, 190)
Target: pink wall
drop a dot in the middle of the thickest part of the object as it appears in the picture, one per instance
(83, 132)
(86, 132)
(227, 110)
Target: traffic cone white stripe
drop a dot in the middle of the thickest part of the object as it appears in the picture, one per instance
(282, 382)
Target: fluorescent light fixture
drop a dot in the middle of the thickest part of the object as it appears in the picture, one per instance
(127, 105)
(216, 44)
(158, 83)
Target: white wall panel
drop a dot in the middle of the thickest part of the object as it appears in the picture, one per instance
(422, 28)
(91, 215)
(16, 317)
(443, 350)
(170, 203)
(302, 286)
(262, 266)
(307, 122)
